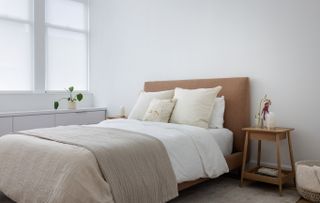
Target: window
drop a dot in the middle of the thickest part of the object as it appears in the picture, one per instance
(67, 40)
(16, 58)
(43, 44)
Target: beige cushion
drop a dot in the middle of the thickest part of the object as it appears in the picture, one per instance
(159, 110)
(194, 106)
(144, 101)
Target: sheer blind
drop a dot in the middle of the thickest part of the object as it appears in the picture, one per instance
(43, 45)
(67, 44)
(16, 64)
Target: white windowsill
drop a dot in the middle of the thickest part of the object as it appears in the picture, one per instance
(52, 111)
(40, 93)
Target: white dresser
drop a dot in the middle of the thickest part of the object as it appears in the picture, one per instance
(12, 122)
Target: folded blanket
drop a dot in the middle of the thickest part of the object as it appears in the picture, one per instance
(317, 172)
(308, 178)
(136, 166)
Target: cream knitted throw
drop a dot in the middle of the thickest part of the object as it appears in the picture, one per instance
(136, 166)
(308, 178)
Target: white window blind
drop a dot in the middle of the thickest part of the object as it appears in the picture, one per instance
(17, 9)
(16, 45)
(67, 44)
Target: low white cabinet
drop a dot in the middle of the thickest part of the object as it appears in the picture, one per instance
(12, 122)
(5, 125)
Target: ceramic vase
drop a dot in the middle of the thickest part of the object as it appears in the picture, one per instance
(258, 122)
(270, 121)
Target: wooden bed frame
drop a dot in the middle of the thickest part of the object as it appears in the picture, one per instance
(237, 114)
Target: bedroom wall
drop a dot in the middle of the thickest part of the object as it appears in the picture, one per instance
(274, 42)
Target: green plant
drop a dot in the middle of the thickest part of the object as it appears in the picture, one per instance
(71, 98)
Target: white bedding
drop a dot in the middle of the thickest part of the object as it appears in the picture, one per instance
(193, 151)
(224, 139)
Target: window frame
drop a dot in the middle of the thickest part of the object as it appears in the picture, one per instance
(39, 46)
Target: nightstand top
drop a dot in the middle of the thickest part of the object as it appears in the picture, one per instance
(265, 130)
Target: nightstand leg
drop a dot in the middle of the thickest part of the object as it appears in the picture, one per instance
(279, 164)
(259, 153)
(291, 158)
(244, 159)
(280, 189)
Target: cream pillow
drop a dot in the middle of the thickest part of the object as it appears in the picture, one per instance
(160, 110)
(144, 100)
(194, 107)
(217, 115)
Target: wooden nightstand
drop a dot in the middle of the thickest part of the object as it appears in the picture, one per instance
(274, 135)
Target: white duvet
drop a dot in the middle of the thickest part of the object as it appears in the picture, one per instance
(193, 151)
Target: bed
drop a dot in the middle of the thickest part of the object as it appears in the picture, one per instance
(237, 114)
(68, 171)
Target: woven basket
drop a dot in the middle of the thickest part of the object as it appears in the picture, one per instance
(309, 195)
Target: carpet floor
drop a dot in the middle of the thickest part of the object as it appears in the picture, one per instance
(226, 190)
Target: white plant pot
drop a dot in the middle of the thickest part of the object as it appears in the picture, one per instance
(72, 105)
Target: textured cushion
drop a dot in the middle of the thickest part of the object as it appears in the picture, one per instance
(194, 106)
(144, 100)
(159, 110)
(217, 115)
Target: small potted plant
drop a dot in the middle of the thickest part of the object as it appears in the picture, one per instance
(72, 99)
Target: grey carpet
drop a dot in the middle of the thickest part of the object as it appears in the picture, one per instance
(227, 190)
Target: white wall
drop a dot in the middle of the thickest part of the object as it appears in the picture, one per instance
(274, 42)
(10, 102)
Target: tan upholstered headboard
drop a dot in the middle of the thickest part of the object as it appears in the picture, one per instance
(237, 95)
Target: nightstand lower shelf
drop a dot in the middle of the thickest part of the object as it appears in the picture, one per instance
(252, 174)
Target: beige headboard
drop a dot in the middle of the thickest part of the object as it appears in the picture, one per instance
(237, 95)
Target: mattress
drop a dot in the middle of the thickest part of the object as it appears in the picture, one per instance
(224, 139)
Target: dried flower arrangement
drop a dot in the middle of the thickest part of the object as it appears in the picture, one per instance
(263, 109)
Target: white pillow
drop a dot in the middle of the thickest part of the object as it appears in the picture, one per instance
(144, 100)
(216, 120)
(159, 110)
(194, 107)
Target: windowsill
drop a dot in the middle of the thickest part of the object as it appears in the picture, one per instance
(50, 111)
(40, 93)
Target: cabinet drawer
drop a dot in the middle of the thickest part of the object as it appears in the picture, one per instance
(5, 125)
(95, 117)
(71, 118)
(32, 122)
(81, 118)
